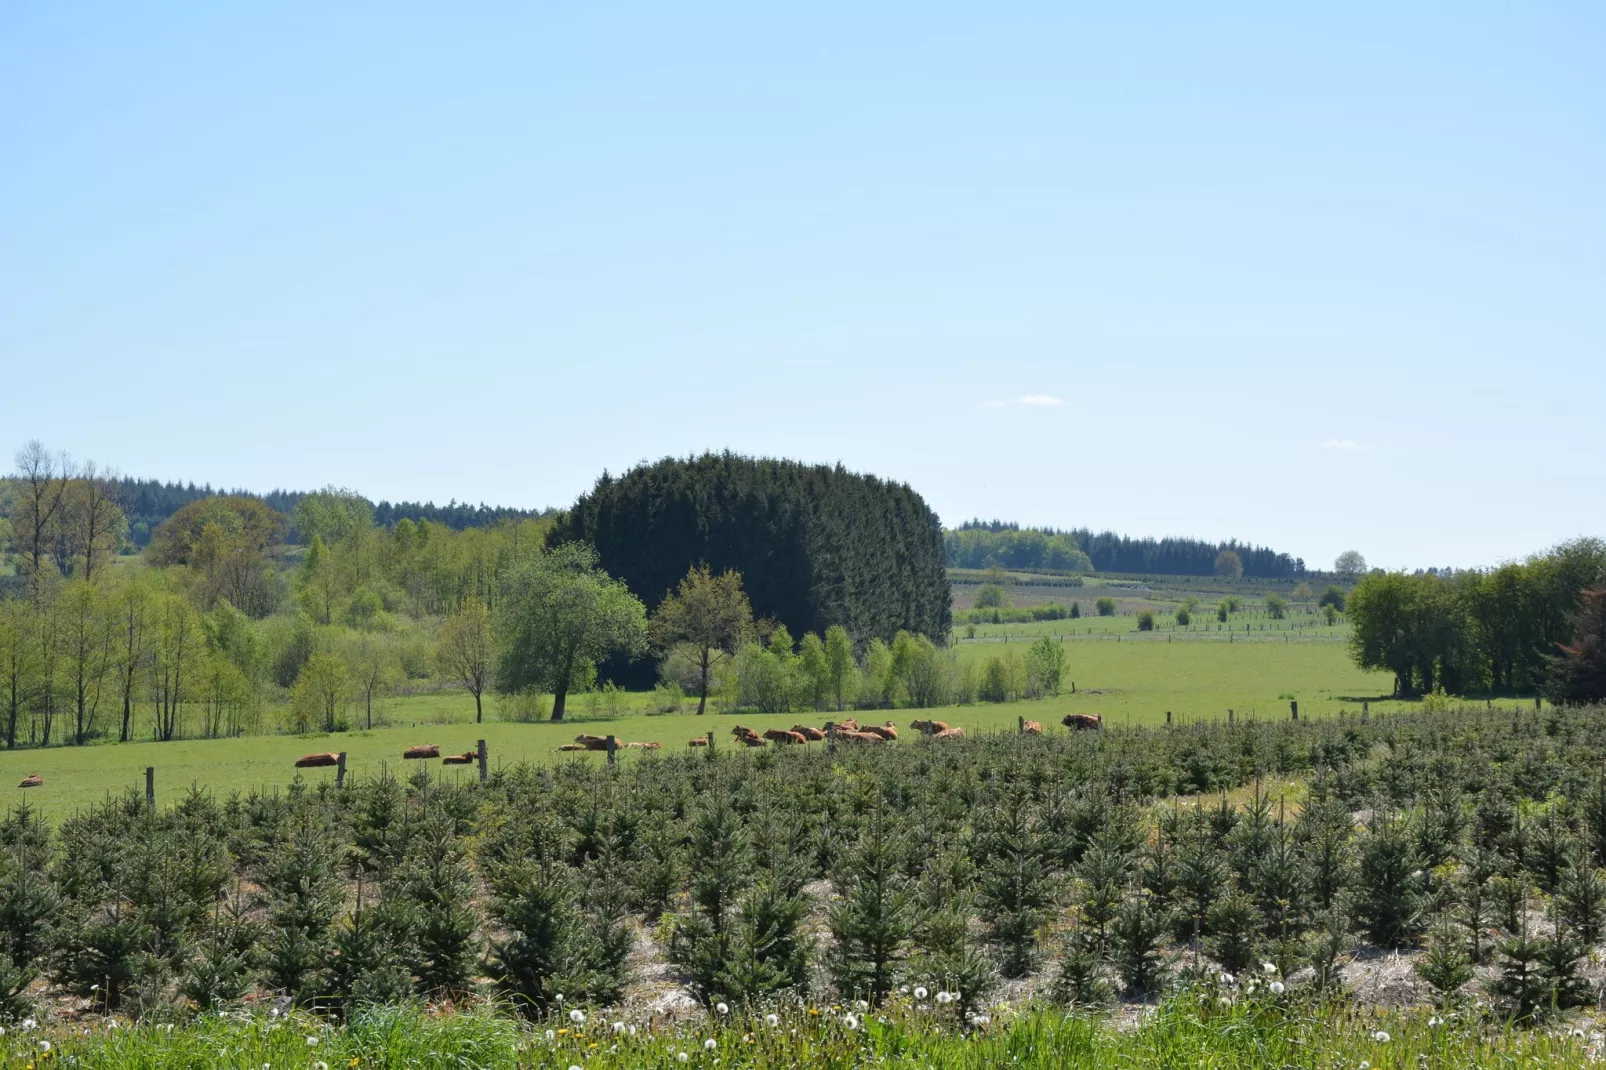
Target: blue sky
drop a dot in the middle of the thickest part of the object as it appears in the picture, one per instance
(1316, 279)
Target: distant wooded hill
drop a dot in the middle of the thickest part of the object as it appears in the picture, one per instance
(983, 544)
(148, 502)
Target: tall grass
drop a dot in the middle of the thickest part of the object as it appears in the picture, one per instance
(1190, 1030)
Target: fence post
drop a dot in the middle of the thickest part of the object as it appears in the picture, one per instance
(613, 748)
(1229, 717)
(1293, 708)
(150, 787)
(1020, 726)
(1537, 701)
(1366, 710)
(1167, 716)
(485, 771)
(340, 770)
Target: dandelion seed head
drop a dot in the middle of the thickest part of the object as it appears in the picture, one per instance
(772, 1020)
(577, 1016)
(1276, 988)
(710, 1044)
(920, 992)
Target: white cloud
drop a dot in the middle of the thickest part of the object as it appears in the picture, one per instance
(1039, 401)
(994, 404)
(1338, 444)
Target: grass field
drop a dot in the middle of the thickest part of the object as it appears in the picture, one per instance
(1131, 682)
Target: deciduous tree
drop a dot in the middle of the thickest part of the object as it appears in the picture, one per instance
(466, 650)
(1229, 566)
(710, 616)
(559, 615)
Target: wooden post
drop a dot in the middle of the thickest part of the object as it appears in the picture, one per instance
(1366, 710)
(340, 770)
(1229, 717)
(1293, 708)
(830, 739)
(613, 749)
(1536, 703)
(1020, 726)
(150, 787)
(1167, 716)
(485, 771)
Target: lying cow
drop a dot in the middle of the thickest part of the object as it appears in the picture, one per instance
(859, 737)
(427, 750)
(33, 781)
(468, 757)
(637, 745)
(1083, 722)
(308, 761)
(811, 734)
(949, 733)
(779, 735)
(697, 741)
(888, 731)
(1032, 728)
(849, 725)
(930, 728)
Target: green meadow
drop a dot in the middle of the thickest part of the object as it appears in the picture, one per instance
(1129, 678)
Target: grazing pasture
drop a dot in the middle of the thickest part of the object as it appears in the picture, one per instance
(1128, 683)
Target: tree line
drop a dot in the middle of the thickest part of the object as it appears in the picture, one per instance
(995, 543)
(1521, 628)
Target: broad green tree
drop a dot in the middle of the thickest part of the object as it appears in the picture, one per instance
(322, 692)
(1229, 566)
(1350, 564)
(558, 616)
(466, 650)
(840, 669)
(709, 616)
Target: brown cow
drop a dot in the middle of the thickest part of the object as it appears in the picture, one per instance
(849, 725)
(635, 745)
(427, 750)
(308, 761)
(573, 746)
(585, 742)
(930, 728)
(1032, 728)
(1083, 722)
(697, 741)
(811, 734)
(742, 731)
(752, 741)
(778, 735)
(468, 757)
(887, 731)
(33, 781)
(949, 733)
(859, 737)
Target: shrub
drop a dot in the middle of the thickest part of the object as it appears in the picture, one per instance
(992, 596)
(1076, 611)
(1330, 615)
(1045, 664)
(1333, 598)
(1221, 612)
(1106, 607)
(1183, 618)
(1146, 621)
(1276, 607)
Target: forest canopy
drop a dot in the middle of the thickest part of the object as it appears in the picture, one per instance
(816, 545)
(983, 544)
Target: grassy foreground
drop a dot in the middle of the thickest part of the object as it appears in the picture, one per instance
(1191, 1030)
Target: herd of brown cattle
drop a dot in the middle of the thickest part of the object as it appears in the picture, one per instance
(845, 731)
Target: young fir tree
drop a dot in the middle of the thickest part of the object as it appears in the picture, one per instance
(949, 958)
(1592, 812)
(222, 965)
(1136, 936)
(1388, 884)
(369, 945)
(1013, 887)
(301, 891)
(30, 911)
(1104, 873)
(1581, 901)
(720, 856)
(1234, 928)
(1325, 945)
(1323, 833)
(871, 922)
(1550, 849)
(1446, 966)
(434, 888)
(1474, 906)
(1203, 877)
(1080, 979)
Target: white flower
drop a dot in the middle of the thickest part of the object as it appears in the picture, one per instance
(312, 1041)
(29, 1024)
(710, 1044)
(320, 1065)
(1381, 1037)
(862, 1005)
(683, 1058)
(851, 1021)
(1268, 967)
(44, 1045)
(723, 1008)
(577, 1016)
(1276, 988)
(945, 997)
(618, 1027)
(631, 1030)
(1227, 978)
(560, 997)
(772, 1020)
(1436, 1021)
(550, 1035)
(903, 990)
(572, 1066)
(1366, 1064)
(982, 1019)
(920, 992)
